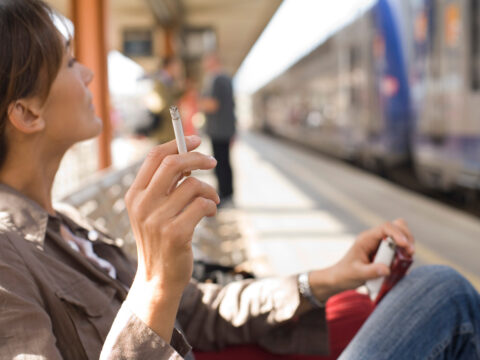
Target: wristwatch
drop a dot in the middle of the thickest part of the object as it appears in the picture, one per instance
(305, 290)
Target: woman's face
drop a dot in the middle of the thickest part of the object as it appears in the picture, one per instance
(68, 112)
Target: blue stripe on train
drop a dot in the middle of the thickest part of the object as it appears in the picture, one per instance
(396, 109)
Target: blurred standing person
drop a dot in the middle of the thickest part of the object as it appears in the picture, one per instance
(218, 105)
(166, 92)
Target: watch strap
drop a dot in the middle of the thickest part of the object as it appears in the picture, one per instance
(305, 290)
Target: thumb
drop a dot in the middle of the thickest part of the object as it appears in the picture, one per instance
(373, 271)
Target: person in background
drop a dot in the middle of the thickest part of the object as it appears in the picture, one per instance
(167, 90)
(67, 292)
(218, 104)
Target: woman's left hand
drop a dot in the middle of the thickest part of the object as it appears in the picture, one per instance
(356, 267)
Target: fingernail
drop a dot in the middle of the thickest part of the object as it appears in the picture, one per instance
(212, 159)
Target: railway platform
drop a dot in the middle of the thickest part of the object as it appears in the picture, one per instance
(295, 209)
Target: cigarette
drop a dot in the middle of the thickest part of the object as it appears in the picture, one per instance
(178, 129)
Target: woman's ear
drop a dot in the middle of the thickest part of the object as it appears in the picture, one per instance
(24, 115)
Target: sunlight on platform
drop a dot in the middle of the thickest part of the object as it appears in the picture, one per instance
(277, 214)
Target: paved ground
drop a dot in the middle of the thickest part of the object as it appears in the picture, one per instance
(296, 210)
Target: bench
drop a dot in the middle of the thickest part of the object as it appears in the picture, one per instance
(101, 199)
(216, 240)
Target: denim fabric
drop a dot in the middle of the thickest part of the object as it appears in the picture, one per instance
(433, 313)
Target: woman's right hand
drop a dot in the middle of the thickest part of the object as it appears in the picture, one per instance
(163, 216)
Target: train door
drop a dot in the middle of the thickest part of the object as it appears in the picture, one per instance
(453, 76)
(461, 150)
(444, 123)
(426, 89)
(364, 92)
(348, 57)
(421, 45)
(474, 43)
(355, 92)
(431, 120)
(376, 52)
(346, 138)
(470, 175)
(473, 63)
(451, 126)
(320, 81)
(444, 102)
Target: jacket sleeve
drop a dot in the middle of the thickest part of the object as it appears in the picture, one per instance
(131, 338)
(26, 329)
(261, 312)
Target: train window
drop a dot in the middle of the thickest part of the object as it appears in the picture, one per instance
(355, 63)
(475, 44)
(138, 42)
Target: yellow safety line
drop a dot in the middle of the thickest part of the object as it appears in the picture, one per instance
(432, 257)
(371, 219)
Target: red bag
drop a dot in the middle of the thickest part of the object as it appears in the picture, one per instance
(345, 312)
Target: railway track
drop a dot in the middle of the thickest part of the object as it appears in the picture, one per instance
(464, 200)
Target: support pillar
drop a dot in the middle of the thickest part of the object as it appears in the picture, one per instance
(90, 20)
(169, 41)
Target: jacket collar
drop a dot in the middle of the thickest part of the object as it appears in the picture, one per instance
(23, 214)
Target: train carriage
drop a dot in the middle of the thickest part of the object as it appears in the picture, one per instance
(349, 97)
(399, 85)
(446, 79)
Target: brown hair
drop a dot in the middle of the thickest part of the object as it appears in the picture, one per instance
(31, 52)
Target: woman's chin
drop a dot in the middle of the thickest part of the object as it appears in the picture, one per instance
(95, 131)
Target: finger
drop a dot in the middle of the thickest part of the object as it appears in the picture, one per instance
(193, 213)
(186, 192)
(373, 271)
(396, 234)
(400, 223)
(172, 169)
(370, 239)
(399, 237)
(155, 158)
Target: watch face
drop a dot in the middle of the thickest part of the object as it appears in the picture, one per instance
(305, 290)
(303, 284)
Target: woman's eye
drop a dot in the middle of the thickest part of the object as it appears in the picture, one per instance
(72, 62)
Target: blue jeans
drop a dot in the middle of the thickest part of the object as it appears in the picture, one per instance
(433, 313)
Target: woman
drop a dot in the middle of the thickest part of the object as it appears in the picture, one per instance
(63, 295)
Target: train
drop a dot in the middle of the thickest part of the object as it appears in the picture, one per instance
(398, 86)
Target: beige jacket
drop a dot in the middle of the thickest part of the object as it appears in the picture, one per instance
(56, 304)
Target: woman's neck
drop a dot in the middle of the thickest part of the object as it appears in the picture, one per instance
(31, 174)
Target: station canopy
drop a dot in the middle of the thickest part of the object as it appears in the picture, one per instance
(234, 25)
(237, 24)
